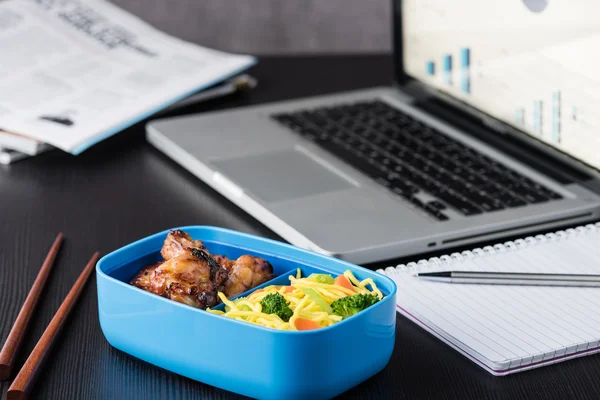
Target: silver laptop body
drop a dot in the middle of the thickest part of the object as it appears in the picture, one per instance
(317, 200)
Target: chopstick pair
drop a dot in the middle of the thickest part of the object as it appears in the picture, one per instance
(23, 382)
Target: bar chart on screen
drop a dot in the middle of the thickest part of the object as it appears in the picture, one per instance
(430, 68)
(450, 75)
(447, 64)
(556, 116)
(465, 65)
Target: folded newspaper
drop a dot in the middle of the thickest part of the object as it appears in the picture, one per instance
(73, 73)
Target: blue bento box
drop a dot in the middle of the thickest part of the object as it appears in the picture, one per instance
(234, 355)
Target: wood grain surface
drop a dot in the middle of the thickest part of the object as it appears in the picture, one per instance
(123, 190)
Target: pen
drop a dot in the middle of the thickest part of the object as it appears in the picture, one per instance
(511, 278)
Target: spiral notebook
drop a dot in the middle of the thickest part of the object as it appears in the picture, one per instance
(506, 329)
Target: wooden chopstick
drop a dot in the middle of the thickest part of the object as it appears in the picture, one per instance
(22, 384)
(15, 337)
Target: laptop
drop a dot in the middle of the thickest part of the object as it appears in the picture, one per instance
(488, 131)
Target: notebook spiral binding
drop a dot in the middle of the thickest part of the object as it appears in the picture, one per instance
(489, 250)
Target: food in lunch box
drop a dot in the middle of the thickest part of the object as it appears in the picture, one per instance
(189, 274)
(317, 301)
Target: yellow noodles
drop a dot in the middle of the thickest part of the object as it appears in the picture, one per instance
(302, 305)
(363, 284)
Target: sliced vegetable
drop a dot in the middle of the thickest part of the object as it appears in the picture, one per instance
(288, 289)
(322, 278)
(303, 324)
(243, 307)
(341, 280)
(317, 298)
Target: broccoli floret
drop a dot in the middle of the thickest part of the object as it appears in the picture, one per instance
(275, 303)
(350, 305)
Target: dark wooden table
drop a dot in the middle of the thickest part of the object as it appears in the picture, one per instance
(123, 190)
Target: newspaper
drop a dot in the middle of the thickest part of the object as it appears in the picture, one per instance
(75, 72)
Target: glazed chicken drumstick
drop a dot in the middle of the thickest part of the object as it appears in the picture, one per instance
(175, 243)
(192, 278)
(178, 242)
(142, 279)
(245, 273)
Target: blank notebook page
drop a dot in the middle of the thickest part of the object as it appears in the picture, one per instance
(510, 328)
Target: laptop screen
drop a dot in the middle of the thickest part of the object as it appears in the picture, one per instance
(533, 64)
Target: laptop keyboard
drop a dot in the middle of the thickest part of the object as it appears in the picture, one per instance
(411, 158)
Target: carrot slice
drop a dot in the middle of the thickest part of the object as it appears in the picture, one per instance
(303, 324)
(288, 289)
(341, 280)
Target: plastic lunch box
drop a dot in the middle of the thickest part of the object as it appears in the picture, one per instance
(238, 356)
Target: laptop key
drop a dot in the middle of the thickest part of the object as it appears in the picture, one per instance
(534, 197)
(436, 205)
(454, 200)
(511, 201)
(404, 193)
(475, 179)
(417, 202)
(354, 160)
(399, 169)
(418, 163)
(483, 200)
(440, 216)
(433, 208)
(403, 186)
(417, 179)
(384, 181)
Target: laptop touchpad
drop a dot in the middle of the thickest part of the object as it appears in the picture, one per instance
(282, 175)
